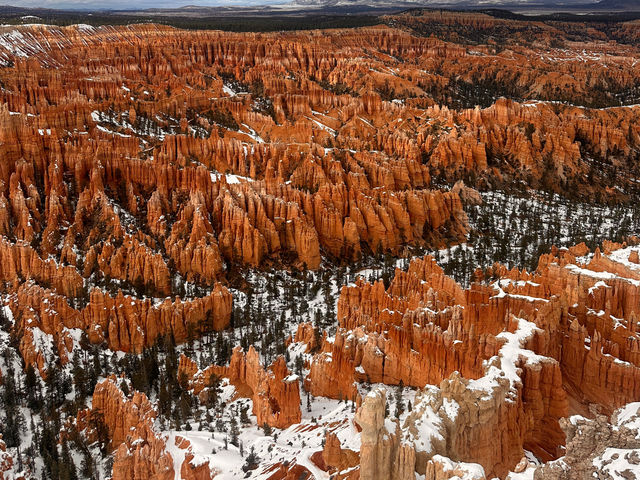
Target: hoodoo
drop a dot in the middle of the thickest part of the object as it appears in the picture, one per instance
(374, 246)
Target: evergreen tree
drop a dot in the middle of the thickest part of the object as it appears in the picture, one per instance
(244, 417)
(234, 431)
(14, 422)
(251, 462)
(32, 387)
(399, 402)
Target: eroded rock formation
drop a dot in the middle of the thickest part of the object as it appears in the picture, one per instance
(140, 451)
(537, 347)
(600, 446)
(274, 391)
(143, 167)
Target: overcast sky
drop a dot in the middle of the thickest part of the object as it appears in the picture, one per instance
(130, 4)
(141, 4)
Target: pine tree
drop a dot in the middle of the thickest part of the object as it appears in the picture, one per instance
(185, 404)
(213, 391)
(164, 399)
(399, 402)
(14, 422)
(87, 467)
(234, 431)
(32, 387)
(66, 467)
(244, 417)
(251, 463)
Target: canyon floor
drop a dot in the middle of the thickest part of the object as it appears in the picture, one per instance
(399, 251)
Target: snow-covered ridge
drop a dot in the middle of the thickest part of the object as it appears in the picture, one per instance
(35, 40)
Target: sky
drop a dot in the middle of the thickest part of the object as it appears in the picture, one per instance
(142, 4)
(130, 4)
